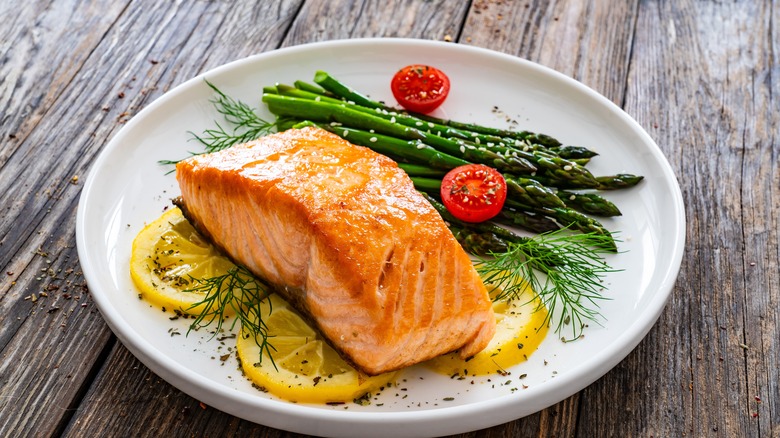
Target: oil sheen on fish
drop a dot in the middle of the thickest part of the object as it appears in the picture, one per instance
(341, 233)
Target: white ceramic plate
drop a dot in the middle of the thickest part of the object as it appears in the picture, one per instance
(127, 188)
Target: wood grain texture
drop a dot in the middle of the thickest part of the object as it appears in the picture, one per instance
(324, 20)
(589, 41)
(702, 85)
(703, 78)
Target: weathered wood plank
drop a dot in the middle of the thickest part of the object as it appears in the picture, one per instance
(145, 405)
(144, 52)
(34, 31)
(700, 83)
(48, 326)
(589, 41)
(321, 20)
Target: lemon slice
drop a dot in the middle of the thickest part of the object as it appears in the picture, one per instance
(166, 255)
(521, 325)
(308, 370)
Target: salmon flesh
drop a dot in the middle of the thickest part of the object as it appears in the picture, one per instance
(340, 232)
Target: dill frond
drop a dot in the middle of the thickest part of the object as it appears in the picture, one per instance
(240, 291)
(243, 125)
(565, 271)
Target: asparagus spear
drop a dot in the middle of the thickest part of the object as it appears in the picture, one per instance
(478, 243)
(619, 181)
(312, 88)
(610, 182)
(409, 150)
(535, 223)
(531, 193)
(333, 85)
(319, 111)
(589, 203)
(330, 83)
(578, 221)
(422, 170)
(572, 152)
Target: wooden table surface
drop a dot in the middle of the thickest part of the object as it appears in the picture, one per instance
(702, 77)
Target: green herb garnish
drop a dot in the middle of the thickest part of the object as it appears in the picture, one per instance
(239, 291)
(245, 124)
(565, 271)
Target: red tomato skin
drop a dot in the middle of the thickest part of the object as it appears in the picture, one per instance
(474, 192)
(420, 88)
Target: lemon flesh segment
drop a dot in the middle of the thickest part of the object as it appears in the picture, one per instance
(308, 370)
(521, 325)
(166, 255)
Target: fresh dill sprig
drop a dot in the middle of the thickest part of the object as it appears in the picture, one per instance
(240, 291)
(245, 125)
(565, 271)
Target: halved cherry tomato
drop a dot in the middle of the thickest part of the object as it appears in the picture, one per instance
(420, 88)
(474, 192)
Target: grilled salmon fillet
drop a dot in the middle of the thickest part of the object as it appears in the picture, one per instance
(340, 232)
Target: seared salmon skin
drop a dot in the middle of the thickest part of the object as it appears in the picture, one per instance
(340, 232)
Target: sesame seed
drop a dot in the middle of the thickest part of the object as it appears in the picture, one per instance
(462, 149)
(420, 145)
(345, 133)
(476, 140)
(572, 197)
(430, 125)
(371, 131)
(419, 124)
(317, 98)
(567, 167)
(392, 119)
(372, 139)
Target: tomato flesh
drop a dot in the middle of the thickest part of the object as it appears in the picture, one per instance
(474, 192)
(420, 88)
